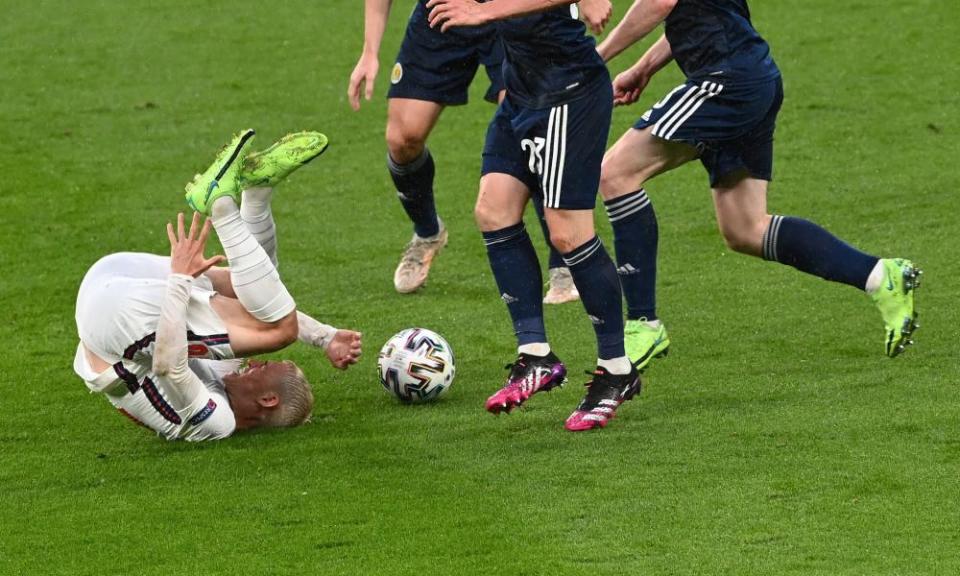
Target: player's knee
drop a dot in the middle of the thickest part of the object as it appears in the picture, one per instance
(404, 146)
(611, 185)
(616, 182)
(563, 240)
(743, 240)
(488, 219)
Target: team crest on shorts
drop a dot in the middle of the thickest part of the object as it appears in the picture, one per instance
(397, 74)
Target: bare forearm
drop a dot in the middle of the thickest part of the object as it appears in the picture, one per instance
(375, 16)
(641, 19)
(656, 57)
(503, 9)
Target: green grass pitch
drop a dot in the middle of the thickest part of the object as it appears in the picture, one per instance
(775, 439)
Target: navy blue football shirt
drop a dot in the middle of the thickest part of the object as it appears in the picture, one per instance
(716, 38)
(549, 59)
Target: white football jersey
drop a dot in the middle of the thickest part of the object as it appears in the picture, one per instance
(118, 309)
(208, 416)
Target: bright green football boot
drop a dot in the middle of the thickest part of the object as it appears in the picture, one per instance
(222, 177)
(644, 343)
(268, 167)
(894, 298)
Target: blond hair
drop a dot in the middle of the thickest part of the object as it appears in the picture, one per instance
(296, 399)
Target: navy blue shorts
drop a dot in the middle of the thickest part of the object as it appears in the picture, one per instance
(556, 152)
(731, 124)
(439, 66)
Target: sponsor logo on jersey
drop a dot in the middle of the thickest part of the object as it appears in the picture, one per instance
(197, 350)
(396, 75)
(205, 413)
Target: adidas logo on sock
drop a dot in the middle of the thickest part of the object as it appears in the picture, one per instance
(508, 298)
(596, 321)
(627, 270)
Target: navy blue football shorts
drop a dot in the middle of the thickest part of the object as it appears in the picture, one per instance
(439, 66)
(730, 124)
(556, 152)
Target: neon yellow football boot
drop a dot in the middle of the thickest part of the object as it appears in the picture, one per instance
(269, 167)
(222, 177)
(644, 343)
(894, 299)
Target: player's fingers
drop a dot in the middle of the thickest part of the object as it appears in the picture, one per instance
(194, 226)
(368, 93)
(353, 93)
(433, 3)
(213, 261)
(204, 232)
(180, 226)
(437, 15)
(596, 26)
(171, 235)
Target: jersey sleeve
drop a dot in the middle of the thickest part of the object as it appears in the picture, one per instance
(206, 414)
(214, 420)
(170, 358)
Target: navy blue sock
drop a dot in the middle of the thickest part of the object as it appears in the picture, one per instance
(556, 260)
(635, 238)
(596, 279)
(414, 183)
(805, 246)
(517, 271)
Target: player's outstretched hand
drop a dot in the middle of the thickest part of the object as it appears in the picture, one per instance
(363, 77)
(627, 87)
(449, 14)
(595, 14)
(186, 248)
(344, 349)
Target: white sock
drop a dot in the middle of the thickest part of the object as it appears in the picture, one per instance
(535, 349)
(875, 279)
(257, 215)
(651, 323)
(254, 278)
(619, 366)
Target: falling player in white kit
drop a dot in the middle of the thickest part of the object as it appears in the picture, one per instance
(161, 337)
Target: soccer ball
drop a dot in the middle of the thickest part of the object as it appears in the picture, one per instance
(416, 365)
